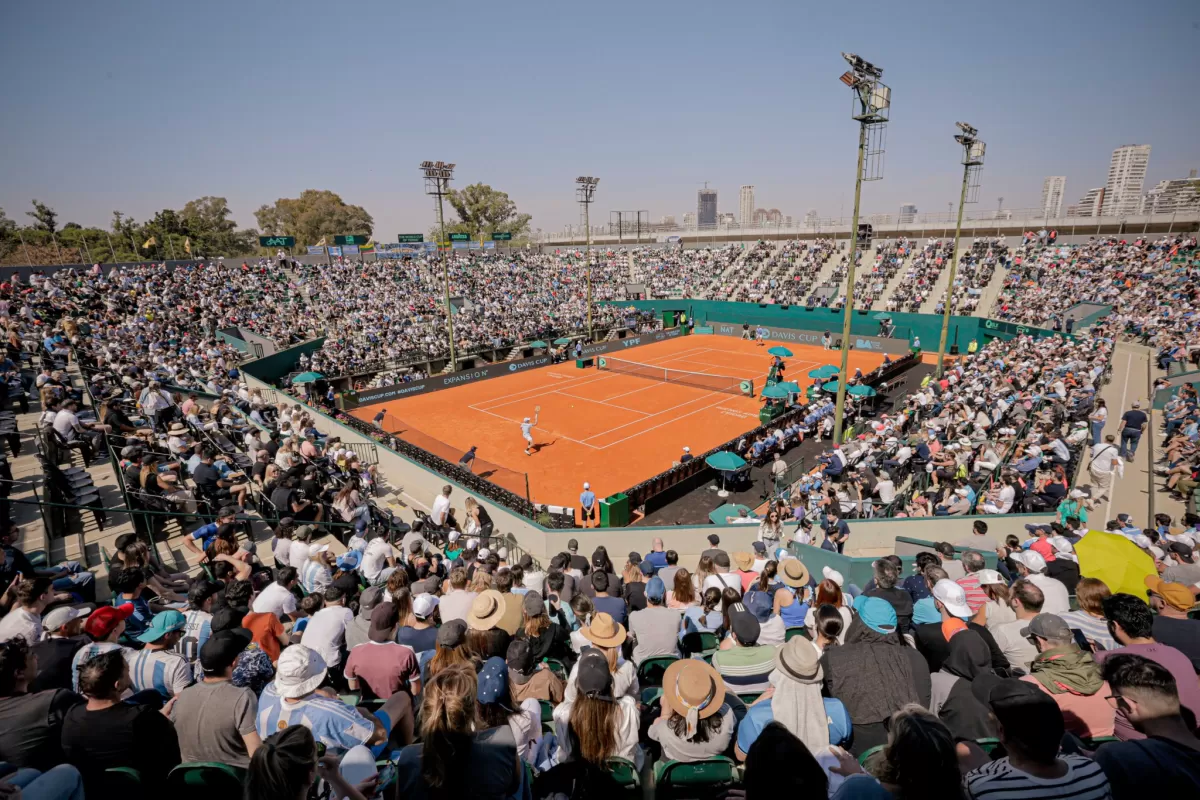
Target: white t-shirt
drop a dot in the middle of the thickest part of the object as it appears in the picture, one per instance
(1055, 591)
(275, 599)
(441, 506)
(886, 491)
(374, 558)
(1004, 500)
(298, 553)
(20, 622)
(326, 633)
(722, 579)
(282, 548)
(65, 423)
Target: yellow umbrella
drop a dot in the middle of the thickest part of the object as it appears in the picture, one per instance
(1115, 560)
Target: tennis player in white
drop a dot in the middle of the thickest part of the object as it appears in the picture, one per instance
(527, 430)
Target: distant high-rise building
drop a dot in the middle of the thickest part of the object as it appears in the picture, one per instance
(727, 220)
(1054, 190)
(1126, 175)
(706, 208)
(1072, 211)
(1170, 196)
(908, 213)
(746, 205)
(689, 219)
(787, 221)
(667, 221)
(1091, 203)
(811, 218)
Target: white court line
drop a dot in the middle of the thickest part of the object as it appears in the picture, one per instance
(604, 403)
(582, 380)
(668, 422)
(539, 428)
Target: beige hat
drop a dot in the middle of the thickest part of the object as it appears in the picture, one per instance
(744, 561)
(604, 631)
(793, 573)
(799, 659)
(486, 611)
(693, 690)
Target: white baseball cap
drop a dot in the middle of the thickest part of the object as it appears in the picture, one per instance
(423, 605)
(988, 577)
(953, 597)
(503, 553)
(1032, 560)
(833, 575)
(586, 485)
(61, 616)
(453, 536)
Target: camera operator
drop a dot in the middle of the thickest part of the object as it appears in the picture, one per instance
(290, 500)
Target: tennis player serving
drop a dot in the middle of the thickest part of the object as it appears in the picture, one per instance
(527, 429)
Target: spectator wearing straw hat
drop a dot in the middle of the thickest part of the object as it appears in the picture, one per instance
(695, 723)
(485, 637)
(607, 636)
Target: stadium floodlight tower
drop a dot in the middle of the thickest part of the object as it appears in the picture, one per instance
(973, 152)
(437, 183)
(872, 102)
(585, 191)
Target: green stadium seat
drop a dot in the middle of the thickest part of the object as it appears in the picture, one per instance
(989, 745)
(557, 667)
(650, 694)
(547, 711)
(205, 779)
(749, 698)
(791, 633)
(650, 673)
(693, 778)
(871, 758)
(1093, 744)
(624, 772)
(122, 782)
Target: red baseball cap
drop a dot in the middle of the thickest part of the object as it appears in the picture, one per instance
(103, 620)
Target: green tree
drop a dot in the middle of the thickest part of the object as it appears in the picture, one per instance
(483, 211)
(206, 221)
(46, 218)
(315, 214)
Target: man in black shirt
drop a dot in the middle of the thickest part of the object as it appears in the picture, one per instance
(30, 723)
(64, 638)
(577, 561)
(1133, 424)
(207, 479)
(262, 460)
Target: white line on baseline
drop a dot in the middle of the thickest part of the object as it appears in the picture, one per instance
(604, 403)
(668, 422)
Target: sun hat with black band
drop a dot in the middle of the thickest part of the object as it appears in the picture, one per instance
(799, 659)
(486, 610)
(793, 573)
(693, 690)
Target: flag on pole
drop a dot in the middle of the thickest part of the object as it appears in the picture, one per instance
(187, 245)
(149, 243)
(369, 247)
(320, 243)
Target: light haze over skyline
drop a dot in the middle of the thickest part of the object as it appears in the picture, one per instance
(139, 106)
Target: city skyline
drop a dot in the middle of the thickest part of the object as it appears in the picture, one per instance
(148, 125)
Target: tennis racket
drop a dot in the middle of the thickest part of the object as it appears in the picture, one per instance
(537, 409)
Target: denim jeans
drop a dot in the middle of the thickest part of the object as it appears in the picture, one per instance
(59, 783)
(1097, 430)
(1129, 442)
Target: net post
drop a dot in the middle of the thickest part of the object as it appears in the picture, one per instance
(527, 498)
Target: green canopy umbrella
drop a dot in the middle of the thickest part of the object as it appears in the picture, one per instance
(718, 516)
(725, 462)
(831, 386)
(780, 350)
(826, 371)
(538, 343)
(774, 392)
(861, 390)
(307, 377)
(562, 340)
(790, 386)
(883, 317)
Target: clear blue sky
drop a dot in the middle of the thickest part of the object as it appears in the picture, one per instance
(139, 105)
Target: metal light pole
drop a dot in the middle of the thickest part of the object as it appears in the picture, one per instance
(871, 105)
(585, 191)
(973, 152)
(437, 183)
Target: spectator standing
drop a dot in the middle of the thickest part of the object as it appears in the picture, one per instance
(1105, 462)
(441, 506)
(1133, 425)
(215, 720)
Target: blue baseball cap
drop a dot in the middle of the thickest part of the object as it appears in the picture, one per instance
(876, 613)
(656, 589)
(760, 605)
(493, 683)
(163, 623)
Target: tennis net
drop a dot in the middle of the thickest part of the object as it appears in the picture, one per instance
(697, 380)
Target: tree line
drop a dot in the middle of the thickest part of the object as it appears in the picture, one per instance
(204, 228)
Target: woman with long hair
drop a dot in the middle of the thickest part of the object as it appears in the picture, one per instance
(705, 617)
(830, 627)
(457, 756)
(606, 635)
(682, 594)
(919, 761)
(828, 593)
(286, 766)
(601, 562)
(595, 722)
(770, 531)
(496, 709)
(451, 648)
(703, 569)
(350, 506)
(548, 638)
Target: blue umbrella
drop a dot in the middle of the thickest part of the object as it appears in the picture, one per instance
(861, 390)
(779, 350)
(307, 377)
(790, 386)
(831, 386)
(774, 392)
(823, 372)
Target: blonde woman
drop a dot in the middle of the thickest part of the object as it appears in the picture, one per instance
(703, 570)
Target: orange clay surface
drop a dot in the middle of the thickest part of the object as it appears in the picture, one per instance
(610, 429)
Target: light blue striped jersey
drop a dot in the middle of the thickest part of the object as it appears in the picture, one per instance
(196, 630)
(338, 726)
(86, 654)
(163, 671)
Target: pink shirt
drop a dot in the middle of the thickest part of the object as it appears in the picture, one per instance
(1085, 716)
(386, 668)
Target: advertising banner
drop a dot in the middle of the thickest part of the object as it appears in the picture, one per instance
(872, 343)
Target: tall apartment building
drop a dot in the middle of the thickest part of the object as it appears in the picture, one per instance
(1126, 175)
(810, 218)
(706, 208)
(1090, 204)
(667, 221)
(908, 213)
(746, 206)
(689, 219)
(1170, 196)
(1054, 190)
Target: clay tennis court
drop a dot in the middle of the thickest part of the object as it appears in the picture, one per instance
(609, 428)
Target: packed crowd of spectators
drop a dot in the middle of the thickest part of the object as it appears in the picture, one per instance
(922, 274)
(975, 271)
